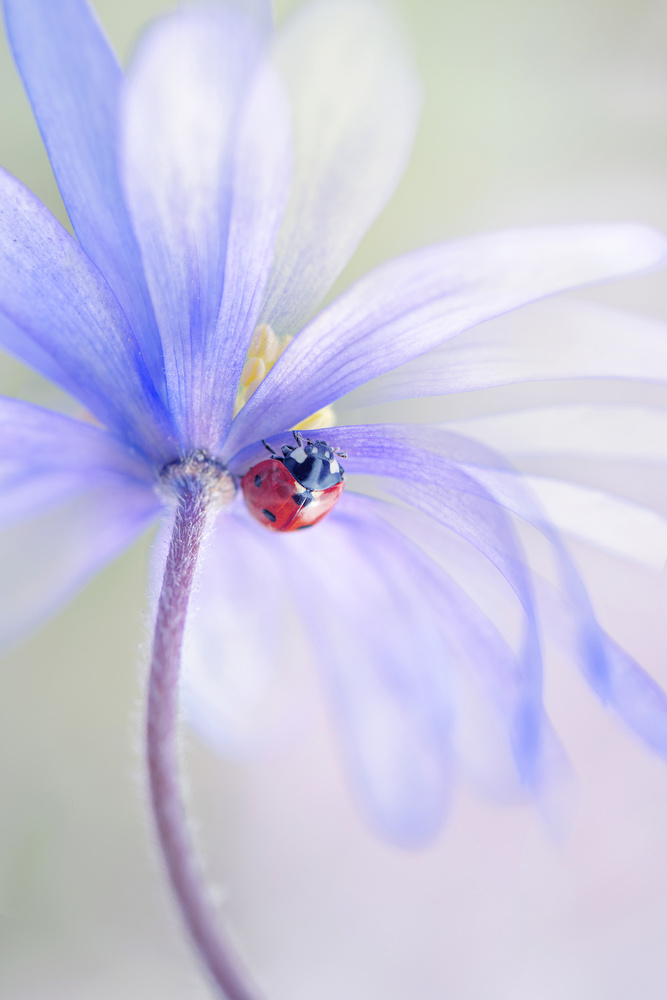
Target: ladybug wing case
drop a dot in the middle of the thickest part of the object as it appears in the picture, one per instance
(275, 498)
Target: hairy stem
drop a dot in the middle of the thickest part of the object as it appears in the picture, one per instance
(161, 746)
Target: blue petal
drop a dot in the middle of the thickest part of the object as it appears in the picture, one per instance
(45, 457)
(73, 81)
(58, 315)
(386, 667)
(355, 106)
(489, 677)
(244, 659)
(558, 339)
(631, 694)
(71, 499)
(408, 306)
(260, 183)
(637, 699)
(184, 90)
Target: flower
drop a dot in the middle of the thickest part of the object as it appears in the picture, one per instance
(216, 192)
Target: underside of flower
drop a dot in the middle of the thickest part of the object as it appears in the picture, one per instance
(216, 484)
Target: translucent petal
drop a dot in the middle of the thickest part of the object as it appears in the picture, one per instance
(408, 306)
(73, 81)
(386, 669)
(371, 632)
(48, 555)
(260, 183)
(46, 457)
(355, 107)
(632, 694)
(610, 523)
(592, 430)
(58, 315)
(488, 676)
(561, 339)
(243, 682)
(184, 89)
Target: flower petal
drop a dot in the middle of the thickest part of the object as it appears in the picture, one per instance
(587, 430)
(488, 685)
(260, 184)
(46, 457)
(51, 554)
(409, 305)
(73, 81)
(242, 682)
(58, 315)
(561, 339)
(355, 104)
(71, 498)
(611, 523)
(184, 88)
(386, 669)
(634, 697)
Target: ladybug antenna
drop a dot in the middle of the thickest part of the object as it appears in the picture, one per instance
(341, 454)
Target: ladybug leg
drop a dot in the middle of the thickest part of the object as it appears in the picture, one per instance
(298, 438)
(269, 448)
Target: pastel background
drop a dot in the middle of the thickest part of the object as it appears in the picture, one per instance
(537, 111)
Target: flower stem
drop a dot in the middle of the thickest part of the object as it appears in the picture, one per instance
(162, 711)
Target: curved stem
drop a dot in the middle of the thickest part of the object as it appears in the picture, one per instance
(172, 829)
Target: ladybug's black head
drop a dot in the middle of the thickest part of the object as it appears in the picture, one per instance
(314, 464)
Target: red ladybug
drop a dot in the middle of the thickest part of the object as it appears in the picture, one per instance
(296, 489)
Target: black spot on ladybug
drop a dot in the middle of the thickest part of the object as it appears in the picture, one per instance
(268, 515)
(258, 481)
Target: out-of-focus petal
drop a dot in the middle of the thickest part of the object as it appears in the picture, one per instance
(588, 430)
(355, 106)
(488, 676)
(73, 81)
(72, 497)
(386, 668)
(615, 451)
(51, 553)
(634, 697)
(613, 524)
(180, 111)
(409, 305)
(58, 314)
(46, 457)
(243, 684)
(561, 339)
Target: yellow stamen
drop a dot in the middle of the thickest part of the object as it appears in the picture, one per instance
(264, 350)
(322, 418)
(254, 370)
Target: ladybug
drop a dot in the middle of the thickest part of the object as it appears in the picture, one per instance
(296, 489)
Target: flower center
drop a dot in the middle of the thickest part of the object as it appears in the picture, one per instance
(200, 470)
(264, 350)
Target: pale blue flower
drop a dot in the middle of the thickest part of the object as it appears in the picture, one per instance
(220, 185)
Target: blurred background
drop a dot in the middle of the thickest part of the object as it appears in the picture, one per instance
(536, 111)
